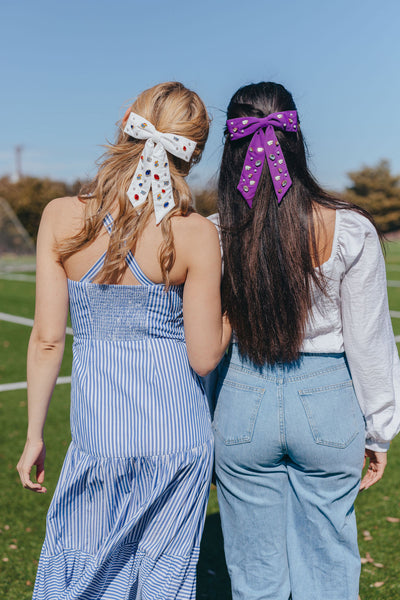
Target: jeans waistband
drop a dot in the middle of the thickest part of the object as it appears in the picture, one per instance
(308, 363)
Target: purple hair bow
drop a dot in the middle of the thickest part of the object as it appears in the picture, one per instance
(263, 144)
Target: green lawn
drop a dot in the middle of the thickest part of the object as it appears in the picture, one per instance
(22, 520)
(392, 253)
(17, 298)
(22, 514)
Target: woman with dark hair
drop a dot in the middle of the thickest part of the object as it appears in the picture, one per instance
(310, 386)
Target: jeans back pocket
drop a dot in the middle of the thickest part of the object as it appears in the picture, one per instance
(332, 413)
(236, 412)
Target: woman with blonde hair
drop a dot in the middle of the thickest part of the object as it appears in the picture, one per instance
(141, 273)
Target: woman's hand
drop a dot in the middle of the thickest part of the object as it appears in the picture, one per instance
(376, 467)
(34, 454)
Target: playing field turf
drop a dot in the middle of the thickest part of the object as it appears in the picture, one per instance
(22, 514)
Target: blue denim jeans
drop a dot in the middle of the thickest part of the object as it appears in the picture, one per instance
(289, 443)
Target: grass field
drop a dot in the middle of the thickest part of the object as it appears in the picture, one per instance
(22, 514)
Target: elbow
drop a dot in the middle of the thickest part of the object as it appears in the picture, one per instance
(48, 349)
(203, 371)
(46, 346)
(204, 367)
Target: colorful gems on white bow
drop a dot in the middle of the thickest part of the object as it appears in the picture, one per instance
(155, 175)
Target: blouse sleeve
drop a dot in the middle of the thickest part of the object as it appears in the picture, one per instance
(368, 336)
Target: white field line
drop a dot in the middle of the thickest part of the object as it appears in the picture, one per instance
(393, 283)
(18, 277)
(15, 319)
(22, 385)
(24, 321)
(6, 267)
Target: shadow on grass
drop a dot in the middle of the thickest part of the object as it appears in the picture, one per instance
(212, 576)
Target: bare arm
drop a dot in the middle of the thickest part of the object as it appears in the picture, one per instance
(207, 334)
(46, 347)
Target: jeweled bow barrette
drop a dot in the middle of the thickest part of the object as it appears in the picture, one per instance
(153, 169)
(263, 144)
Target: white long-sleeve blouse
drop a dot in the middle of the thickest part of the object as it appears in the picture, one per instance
(353, 317)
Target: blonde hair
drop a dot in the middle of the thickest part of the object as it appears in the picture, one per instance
(171, 108)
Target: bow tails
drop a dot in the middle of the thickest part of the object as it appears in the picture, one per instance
(263, 144)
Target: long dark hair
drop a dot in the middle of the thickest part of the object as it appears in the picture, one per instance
(270, 250)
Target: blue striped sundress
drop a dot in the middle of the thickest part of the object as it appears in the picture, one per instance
(127, 515)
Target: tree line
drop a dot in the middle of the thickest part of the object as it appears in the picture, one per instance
(374, 188)
(29, 195)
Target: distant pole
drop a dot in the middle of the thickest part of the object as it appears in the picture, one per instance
(18, 162)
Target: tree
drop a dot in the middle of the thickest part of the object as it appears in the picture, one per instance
(378, 191)
(29, 196)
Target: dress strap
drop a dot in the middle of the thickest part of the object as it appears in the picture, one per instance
(108, 223)
(94, 270)
(130, 259)
(137, 271)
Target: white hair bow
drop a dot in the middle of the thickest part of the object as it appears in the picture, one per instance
(153, 169)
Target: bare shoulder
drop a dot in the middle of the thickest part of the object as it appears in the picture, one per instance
(64, 216)
(64, 206)
(194, 229)
(196, 242)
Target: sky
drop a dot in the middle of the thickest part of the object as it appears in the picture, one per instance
(70, 69)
